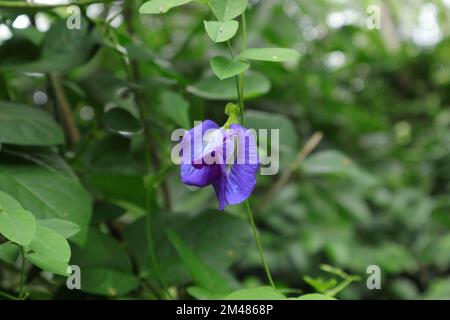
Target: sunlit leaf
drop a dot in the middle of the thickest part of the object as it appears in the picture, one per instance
(221, 31)
(228, 9)
(269, 54)
(16, 224)
(161, 6)
(47, 242)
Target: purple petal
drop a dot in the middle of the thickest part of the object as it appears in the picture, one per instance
(198, 177)
(193, 174)
(236, 184)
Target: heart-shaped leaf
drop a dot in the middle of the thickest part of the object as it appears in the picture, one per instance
(221, 31)
(228, 9)
(225, 68)
(269, 54)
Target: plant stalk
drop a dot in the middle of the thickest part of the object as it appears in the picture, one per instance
(258, 244)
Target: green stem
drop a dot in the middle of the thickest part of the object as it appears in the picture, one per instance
(22, 273)
(149, 160)
(238, 81)
(258, 244)
(8, 296)
(153, 259)
(241, 76)
(240, 93)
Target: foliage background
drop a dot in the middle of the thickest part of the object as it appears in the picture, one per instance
(374, 191)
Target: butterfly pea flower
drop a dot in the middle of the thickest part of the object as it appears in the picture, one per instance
(224, 157)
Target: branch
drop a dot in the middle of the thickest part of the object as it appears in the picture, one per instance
(73, 134)
(310, 145)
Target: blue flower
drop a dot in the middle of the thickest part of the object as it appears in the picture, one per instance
(227, 159)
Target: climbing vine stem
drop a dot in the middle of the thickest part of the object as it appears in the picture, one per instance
(241, 98)
(258, 244)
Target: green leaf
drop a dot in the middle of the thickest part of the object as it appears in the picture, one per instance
(16, 224)
(335, 163)
(221, 31)
(102, 251)
(216, 238)
(203, 275)
(314, 296)
(228, 9)
(48, 264)
(320, 284)
(225, 68)
(65, 228)
(175, 107)
(63, 49)
(262, 293)
(108, 282)
(23, 125)
(288, 146)
(9, 252)
(120, 120)
(48, 193)
(106, 267)
(161, 6)
(49, 243)
(212, 88)
(269, 54)
(328, 162)
(120, 187)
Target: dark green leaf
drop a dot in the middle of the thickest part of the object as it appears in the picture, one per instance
(107, 282)
(9, 252)
(203, 274)
(23, 125)
(120, 120)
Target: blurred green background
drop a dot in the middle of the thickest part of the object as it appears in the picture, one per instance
(375, 191)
